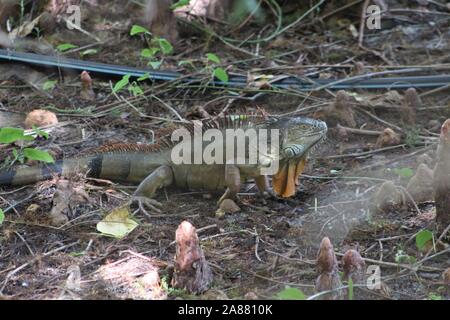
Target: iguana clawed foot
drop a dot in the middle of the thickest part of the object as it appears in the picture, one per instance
(145, 202)
(267, 194)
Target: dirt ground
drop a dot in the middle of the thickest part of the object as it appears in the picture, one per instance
(262, 249)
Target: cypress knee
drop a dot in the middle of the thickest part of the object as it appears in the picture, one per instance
(441, 179)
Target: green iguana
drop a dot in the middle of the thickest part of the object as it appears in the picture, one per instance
(152, 165)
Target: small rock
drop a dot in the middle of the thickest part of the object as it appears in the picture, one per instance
(40, 118)
(229, 206)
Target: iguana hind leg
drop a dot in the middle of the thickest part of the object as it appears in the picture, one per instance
(232, 181)
(161, 177)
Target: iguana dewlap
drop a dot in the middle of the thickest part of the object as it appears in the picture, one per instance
(152, 165)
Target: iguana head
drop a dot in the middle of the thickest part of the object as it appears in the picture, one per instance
(297, 136)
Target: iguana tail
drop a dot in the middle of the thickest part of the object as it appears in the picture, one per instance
(117, 162)
(29, 175)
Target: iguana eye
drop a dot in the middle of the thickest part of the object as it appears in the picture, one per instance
(293, 150)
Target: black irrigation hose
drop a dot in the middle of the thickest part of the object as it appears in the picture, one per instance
(236, 81)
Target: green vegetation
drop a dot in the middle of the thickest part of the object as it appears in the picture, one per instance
(423, 237)
(217, 72)
(290, 293)
(12, 135)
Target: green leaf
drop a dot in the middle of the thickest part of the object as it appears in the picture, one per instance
(212, 57)
(404, 172)
(155, 64)
(221, 74)
(149, 52)
(188, 62)
(135, 29)
(350, 289)
(15, 153)
(88, 52)
(291, 294)
(179, 3)
(122, 83)
(165, 46)
(144, 77)
(49, 85)
(422, 238)
(39, 155)
(2, 217)
(65, 46)
(39, 132)
(431, 295)
(135, 89)
(10, 135)
(402, 257)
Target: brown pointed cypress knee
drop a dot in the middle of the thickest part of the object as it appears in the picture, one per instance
(441, 179)
(192, 272)
(328, 270)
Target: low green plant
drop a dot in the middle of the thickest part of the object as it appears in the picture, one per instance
(2, 217)
(133, 87)
(158, 49)
(350, 289)
(212, 61)
(12, 135)
(402, 257)
(65, 47)
(422, 238)
(434, 296)
(290, 293)
(179, 3)
(49, 85)
(173, 292)
(412, 137)
(404, 172)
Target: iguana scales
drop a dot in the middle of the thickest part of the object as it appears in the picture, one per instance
(152, 167)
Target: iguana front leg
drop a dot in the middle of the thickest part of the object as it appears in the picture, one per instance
(161, 177)
(232, 181)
